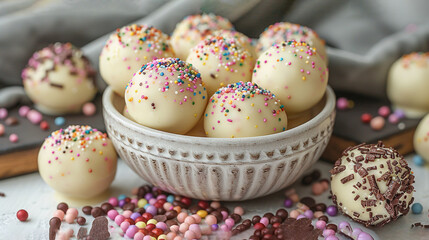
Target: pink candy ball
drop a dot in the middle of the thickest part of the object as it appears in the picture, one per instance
(317, 188)
(384, 111)
(264, 221)
(225, 228)
(127, 213)
(124, 226)
(112, 214)
(147, 237)
(377, 123)
(170, 235)
(114, 201)
(328, 232)
(3, 113)
(34, 116)
(210, 220)
(131, 231)
(190, 235)
(89, 109)
(294, 214)
(239, 210)
(162, 226)
(178, 238)
(318, 214)
(230, 222)
(342, 103)
(167, 206)
(195, 228)
(174, 228)
(224, 214)
(197, 218)
(183, 227)
(181, 217)
(73, 212)
(13, 138)
(393, 118)
(320, 224)
(119, 219)
(215, 204)
(139, 236)
(59, 214)
(23, 111)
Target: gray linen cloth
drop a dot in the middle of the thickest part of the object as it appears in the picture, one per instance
(363, 37)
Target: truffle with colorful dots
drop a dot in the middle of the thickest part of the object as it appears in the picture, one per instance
(78, 161)
(286, 31)
(248, 43)
(221, 61)
(166, 94)
(194, 28)
(407, 84)
(243, 109)
(295, 73)
(59, 79)
(127, 50)
(421, 138)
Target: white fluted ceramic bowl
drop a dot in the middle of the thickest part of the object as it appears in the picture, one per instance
(215, 168)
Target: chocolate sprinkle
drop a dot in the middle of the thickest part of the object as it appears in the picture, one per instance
(2, 194)
(348, 178)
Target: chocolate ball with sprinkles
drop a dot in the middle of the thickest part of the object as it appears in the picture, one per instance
(127, 50)
(194, 28)
(286, 31)
(59, 79)
(372, 184)
(295, 73)
(166, 94)
(78, 161)
(221, 61)
(243, 109)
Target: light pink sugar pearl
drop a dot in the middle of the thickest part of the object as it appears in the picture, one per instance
(317, 188)
(178, 238)
(183, 227)
(3, 113)
(320, 224)
(139, 236)
(167, 206)
(197, 218)
(152, 201)
(124, 226)
(210, 220)
(239, 210)
(34, 116)
(23, 111)
(224, 214)
(13, 138)
(135, 201)
(114, 201)
(147, 237)
(112, 214)
(332, 237)
(264, 221)
(127, 213)
(294, 197)
(225, 228)
(230, 222)
(89, 109)
(215, 204)
(384, 111)
(162, 226)
(325, 185)
(190, 235)
(377, 123)
(181, 217)
(174, 228)
(294, 214)
(59, 214)
(170, 235)
(328, 232)
(206, 229)
(196, 229)
(119, 219)
(71, 215)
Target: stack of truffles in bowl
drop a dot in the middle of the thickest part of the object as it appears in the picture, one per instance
(212, 114)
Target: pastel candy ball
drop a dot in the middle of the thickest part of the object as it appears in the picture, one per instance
(192, 29)
(295, 73)
(372, 184)
(166, 94)
(127, 50)
(221, 61)
(421, 140)
(243, 110)
(286, 31)
(78, 161)
(410, 95)
(59, 79)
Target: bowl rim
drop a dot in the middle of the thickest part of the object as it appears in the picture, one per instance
(136, 127)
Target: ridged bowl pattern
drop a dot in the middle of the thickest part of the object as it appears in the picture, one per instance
(214, 168)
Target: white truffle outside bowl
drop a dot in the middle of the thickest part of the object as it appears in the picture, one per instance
(219, 168)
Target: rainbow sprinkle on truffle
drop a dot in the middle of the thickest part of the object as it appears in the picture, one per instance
(243, 109)
(419, 59)
(204, 24)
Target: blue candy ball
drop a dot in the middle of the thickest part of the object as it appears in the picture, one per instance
(59, 121)
(418, 160)
(417, 208)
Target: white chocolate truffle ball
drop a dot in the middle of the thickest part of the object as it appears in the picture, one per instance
(59, 79)
(78, 161)
(372, 184)
(128, 50)
(166, 94)
(295, 73)
(421, 138)
(286, 31)
(221, 61)
(408, 84)
(244, 40)
(192, 29)
(243, 110)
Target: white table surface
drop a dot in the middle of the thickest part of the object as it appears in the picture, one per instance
(31, 193)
